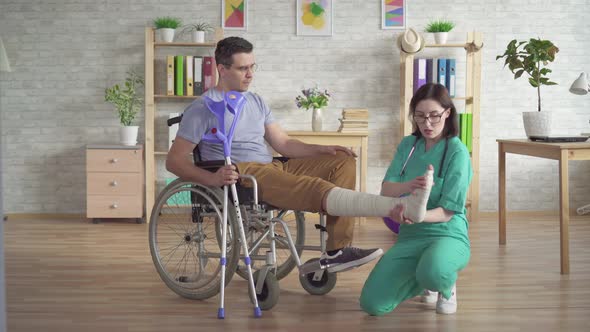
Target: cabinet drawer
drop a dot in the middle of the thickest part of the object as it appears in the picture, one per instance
(114, 206)
(98, 160)
(114, 184)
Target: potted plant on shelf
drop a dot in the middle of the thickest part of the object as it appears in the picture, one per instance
(440, 28)
(197, 30)
(166, 26)
(315, 99)
(128, 103)
(531, 58)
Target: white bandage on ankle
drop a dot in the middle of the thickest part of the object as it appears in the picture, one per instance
(350, 203)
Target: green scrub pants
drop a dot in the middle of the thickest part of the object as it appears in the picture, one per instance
(409, 267)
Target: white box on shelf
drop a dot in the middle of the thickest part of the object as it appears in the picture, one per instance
(172, 130)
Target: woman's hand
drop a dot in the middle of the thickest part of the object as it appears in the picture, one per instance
(417, 183)
(397, 214)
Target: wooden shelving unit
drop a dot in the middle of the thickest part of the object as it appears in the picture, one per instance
(472, 98)
(151, 100)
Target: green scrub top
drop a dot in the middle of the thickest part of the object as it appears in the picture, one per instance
(449, 190)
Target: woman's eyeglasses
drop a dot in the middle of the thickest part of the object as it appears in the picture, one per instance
(433, 118)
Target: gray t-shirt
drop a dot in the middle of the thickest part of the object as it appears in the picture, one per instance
(248, 144)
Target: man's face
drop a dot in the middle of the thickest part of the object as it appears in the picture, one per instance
(240, 74)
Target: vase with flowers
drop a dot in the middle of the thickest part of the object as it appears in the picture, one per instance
(315, 99)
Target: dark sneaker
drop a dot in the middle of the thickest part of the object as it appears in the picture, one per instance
(348, 258)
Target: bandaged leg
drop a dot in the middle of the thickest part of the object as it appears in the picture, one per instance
(345, 202)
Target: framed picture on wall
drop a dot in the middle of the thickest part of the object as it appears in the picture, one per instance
(393, 14)
(314, 17)
(234, 14)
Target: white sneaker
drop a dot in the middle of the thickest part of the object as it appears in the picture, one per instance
(447, 307)
(429, 296)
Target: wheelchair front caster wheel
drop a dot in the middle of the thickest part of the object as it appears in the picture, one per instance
(315, 286)
(269, 296)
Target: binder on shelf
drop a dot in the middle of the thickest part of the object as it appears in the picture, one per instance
(179, 68)
(442, 71)
(209, 75)
(198, 76)
(450, 77)
(170, 75)
(189, 75)
(419, 73)
(463, 128)
(431, 70)
(469, 131)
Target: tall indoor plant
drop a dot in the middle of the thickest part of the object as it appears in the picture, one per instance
(531, 58)
(128, 103)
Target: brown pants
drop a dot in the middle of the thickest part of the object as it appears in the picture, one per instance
(301, 184)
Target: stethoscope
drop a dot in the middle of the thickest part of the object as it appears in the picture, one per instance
(401, 173)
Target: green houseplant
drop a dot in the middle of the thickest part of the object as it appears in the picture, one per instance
(165, 26)
(440, 28)
(128, 103)
(531, 57)
(197, 30)
(315, 99)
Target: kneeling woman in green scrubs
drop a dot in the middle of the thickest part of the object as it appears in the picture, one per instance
(427, 255)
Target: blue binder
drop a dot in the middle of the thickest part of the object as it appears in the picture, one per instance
(450, 77)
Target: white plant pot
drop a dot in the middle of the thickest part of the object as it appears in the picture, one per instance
(198, 36)
(129, 135)
(537, 123)
(166, 34)
(440, 37)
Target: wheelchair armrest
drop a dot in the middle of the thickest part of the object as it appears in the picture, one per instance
(211, 165)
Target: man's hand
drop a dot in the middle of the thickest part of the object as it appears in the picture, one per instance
(397, 214)
(224, 175)
(332, 149)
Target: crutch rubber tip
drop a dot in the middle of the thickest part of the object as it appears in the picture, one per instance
(257, 312)
(221, 313)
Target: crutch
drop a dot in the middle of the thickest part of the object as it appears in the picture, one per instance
(234, 102)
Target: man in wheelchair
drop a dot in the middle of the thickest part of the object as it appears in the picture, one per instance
(316, 178)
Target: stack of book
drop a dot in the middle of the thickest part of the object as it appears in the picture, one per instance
(354, 120)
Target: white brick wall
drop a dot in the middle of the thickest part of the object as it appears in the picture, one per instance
(64, 53)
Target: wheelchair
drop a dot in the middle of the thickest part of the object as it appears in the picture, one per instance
(185, 240)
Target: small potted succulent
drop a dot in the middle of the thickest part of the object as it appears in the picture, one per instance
(166, 26)
(531, 58)
(197, 30)
(128, 103)
(440, 28)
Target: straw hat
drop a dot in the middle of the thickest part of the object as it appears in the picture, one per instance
(410, 41)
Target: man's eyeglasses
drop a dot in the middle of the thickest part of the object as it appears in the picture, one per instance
(433, 118)
(244, 69)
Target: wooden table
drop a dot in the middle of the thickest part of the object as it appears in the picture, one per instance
(352, 140)
(563, 152)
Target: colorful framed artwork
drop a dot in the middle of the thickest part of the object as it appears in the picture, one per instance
(393, 14)
(314, 17)
(234, 14)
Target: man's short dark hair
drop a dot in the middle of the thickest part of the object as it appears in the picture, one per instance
(230, 46)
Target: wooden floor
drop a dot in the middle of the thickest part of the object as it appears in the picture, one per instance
(71, 275)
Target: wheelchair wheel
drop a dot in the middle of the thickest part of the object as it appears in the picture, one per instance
(269, 296)
(184, 239)
(255, 229)
(318, 287)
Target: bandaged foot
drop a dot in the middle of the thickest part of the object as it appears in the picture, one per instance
(349, 203)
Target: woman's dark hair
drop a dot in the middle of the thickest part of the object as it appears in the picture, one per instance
(230, 46)
(440, 94)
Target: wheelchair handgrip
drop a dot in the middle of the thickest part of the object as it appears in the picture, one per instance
(174, 120)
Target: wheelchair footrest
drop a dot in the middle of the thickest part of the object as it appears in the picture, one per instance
(311, 267)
